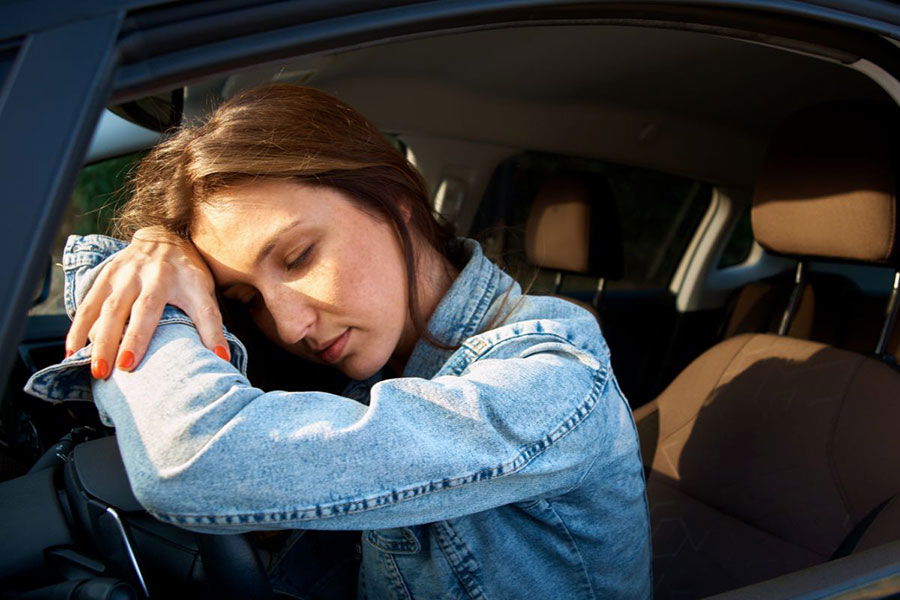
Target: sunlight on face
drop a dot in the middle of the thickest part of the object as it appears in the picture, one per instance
(321, 278)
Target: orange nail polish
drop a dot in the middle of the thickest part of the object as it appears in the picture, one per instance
(221, 352)
(69, 353)
(99, 369)
(126, 360)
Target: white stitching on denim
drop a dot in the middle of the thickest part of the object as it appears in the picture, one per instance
(514, 465)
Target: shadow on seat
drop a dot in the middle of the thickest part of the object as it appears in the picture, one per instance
(770, 454)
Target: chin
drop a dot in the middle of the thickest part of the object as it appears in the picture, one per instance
(356, 369)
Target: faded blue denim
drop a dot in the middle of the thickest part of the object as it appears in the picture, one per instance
(507, 468)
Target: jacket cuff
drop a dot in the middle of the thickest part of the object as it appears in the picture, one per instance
(83, 259)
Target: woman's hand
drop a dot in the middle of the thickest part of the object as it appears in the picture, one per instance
(123, 307)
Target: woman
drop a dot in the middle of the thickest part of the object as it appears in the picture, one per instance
(484, 446)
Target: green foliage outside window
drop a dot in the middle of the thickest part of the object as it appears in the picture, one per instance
(100, 190)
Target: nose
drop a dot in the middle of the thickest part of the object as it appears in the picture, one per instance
(292, 313)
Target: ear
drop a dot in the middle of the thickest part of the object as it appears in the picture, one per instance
(403, 205)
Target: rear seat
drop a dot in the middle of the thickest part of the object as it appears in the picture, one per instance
(863, 326)
(573, 229)
(833, 310)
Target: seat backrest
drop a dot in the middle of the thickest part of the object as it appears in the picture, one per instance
(823, 314)
(793, 437)
(573, 227)
(791, 440)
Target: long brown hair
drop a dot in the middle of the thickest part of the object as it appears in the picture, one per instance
(285, 132)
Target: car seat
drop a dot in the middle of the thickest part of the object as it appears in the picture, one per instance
(769, 454)
(573, 229)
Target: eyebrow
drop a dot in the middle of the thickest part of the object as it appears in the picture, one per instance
(266, 250)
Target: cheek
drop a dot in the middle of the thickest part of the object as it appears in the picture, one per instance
(381, 285)
(370, 276)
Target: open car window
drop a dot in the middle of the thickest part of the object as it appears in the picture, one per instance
(100, 189)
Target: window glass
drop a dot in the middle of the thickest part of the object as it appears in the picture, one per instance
(739, 244)
(658, 214)
(99, 191)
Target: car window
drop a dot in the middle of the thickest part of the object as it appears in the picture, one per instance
(658, 215)
(99, 191)
(739, 244)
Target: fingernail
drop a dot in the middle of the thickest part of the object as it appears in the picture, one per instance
(69, 353)
(126, 359)
(99, 369)
(221, 352)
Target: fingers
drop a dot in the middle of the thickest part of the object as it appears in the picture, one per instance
(87, 314)
(107, 332)
(127, 299)
(204, 311)
(81, 326)
(145, 314)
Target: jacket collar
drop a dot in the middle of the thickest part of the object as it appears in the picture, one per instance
(467, 306)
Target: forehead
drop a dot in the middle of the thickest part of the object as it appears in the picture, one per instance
(258, 207)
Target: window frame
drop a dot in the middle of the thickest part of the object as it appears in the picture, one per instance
(81, 56)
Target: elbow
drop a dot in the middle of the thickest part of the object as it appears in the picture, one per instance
(167, 492)
(159, 495)
(182, 497)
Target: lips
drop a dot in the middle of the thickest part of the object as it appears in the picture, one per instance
(333, 350)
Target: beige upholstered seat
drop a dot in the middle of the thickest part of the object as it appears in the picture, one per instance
(767, 453)
(822, 314)
(573, 229)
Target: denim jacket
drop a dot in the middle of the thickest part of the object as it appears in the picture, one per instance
(505, 468)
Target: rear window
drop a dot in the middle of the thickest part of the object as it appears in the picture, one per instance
(739, 245)
(658, 215)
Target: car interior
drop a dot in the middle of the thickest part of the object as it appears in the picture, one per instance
(726, 207)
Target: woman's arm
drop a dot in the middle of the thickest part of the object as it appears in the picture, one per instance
(205, 449)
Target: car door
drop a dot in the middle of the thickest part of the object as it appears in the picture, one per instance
(61, 62)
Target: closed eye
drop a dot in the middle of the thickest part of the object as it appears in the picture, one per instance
(301, 259)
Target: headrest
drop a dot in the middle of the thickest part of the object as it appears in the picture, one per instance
(828, 185)
(573, 226)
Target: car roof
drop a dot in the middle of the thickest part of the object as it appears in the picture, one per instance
(684, 102)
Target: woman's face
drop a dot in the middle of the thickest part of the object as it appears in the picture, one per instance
(321, 278)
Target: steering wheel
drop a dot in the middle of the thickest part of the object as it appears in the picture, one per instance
(65, 524)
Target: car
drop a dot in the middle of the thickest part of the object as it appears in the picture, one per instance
(656, 120)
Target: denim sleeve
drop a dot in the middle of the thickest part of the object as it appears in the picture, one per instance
(501, 423)
(83, 258)
(206, 450)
